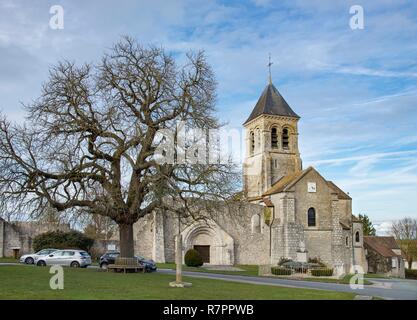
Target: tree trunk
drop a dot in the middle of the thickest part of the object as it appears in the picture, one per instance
(127, 249)
(410, 263)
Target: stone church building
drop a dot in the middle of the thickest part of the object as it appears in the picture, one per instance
(289, 211)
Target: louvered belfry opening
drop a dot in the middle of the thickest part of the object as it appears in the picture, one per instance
(285, 139)
(274, 138)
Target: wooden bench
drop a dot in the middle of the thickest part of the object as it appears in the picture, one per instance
(126, 264)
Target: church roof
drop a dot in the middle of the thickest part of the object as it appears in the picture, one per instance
(340, 193)
(286, 181)
(271, 103)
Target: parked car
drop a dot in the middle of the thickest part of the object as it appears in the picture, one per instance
(72, 258)
(110, 257)
(30, 258)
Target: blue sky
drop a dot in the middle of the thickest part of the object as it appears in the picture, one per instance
(356, 90)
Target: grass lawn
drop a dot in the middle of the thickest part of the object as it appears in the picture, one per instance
(29, 282)
(9, 260)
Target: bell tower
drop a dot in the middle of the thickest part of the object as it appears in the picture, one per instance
(271, 143)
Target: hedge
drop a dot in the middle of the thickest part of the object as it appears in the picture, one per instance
(411, 274)
(62, 240)
(280, 271)
(325, 272)
(193, 259)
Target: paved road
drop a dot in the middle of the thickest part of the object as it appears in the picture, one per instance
(386, 288)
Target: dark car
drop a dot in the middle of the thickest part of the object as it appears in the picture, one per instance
(110, 257)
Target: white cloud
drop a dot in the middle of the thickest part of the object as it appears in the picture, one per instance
(383, 228)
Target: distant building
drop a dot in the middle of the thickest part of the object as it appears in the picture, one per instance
(384, 256)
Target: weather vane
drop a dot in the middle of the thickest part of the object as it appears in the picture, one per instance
(269, 66)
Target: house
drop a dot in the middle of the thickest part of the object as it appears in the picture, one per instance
(384, 256)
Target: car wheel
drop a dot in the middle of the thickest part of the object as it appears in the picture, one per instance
(75, 264)
(41, 263)
(104, 266)
(29, 260)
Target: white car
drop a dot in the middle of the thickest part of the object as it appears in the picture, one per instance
(30, 258)
(72, 258)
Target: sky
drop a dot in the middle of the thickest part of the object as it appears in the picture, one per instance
(355, 89)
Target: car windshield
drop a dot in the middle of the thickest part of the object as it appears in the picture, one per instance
(42, 252)
(84, 254)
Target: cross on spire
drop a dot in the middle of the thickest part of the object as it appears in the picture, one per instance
(269, 67)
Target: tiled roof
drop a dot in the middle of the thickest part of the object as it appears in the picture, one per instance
(271, 103)
(344, 225)
(341, 194)
(268, 202)
(285, 181)
(382, 245)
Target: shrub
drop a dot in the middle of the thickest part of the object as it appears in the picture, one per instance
(323, 272)
(62, 240)
(193, 259)
(411, 274)
(280, 271)
(283, 260)
(316, 261)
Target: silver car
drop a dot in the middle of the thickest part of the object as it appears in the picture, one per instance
(71, 258)
(31, 257)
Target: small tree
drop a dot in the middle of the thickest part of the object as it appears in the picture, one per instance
(405, 231)
(368, 228)
(193, 259)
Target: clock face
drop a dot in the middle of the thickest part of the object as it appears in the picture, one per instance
(311, 187)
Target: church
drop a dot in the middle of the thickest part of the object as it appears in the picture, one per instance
(288, 211)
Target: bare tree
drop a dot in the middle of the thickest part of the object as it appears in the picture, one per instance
(90, 141)
(99, 227)
(405, 231)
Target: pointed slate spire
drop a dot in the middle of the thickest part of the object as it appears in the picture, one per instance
(271, 103)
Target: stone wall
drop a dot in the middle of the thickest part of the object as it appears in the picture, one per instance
(234, 221)
(319, 245)
(16, 238)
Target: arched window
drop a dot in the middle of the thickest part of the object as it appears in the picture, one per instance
(256, 223)
(252, 142)
(285, 139)
(274, 138)
(357, 237)
(311, 217)
(347, 241)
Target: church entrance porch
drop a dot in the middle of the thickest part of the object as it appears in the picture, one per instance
(204, 252)
(215, 246)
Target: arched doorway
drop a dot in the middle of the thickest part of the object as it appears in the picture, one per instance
(214, 245)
